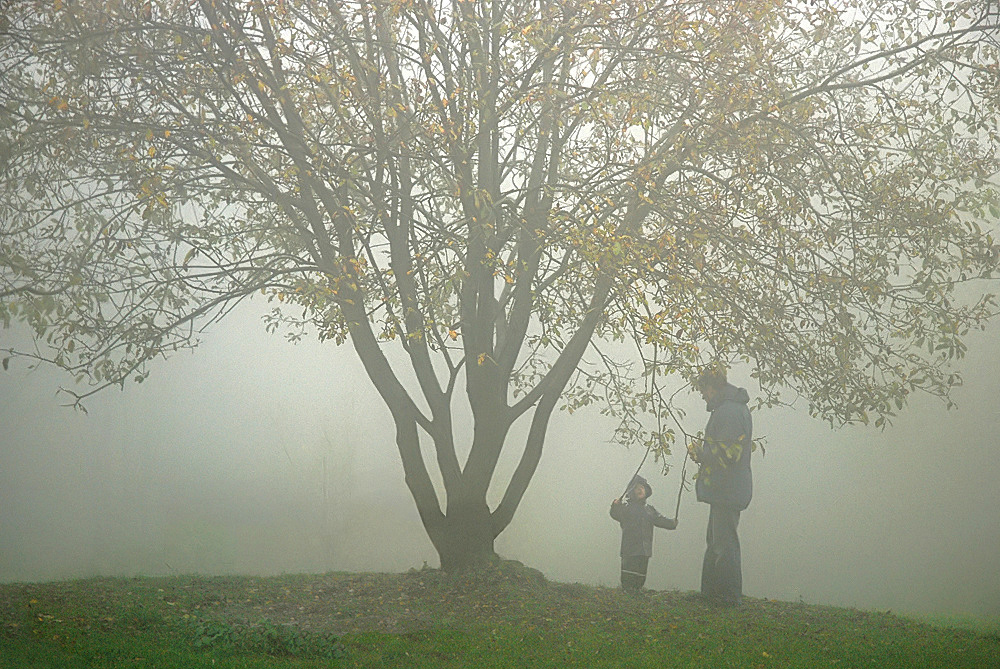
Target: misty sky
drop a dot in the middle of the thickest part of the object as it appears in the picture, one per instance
(252, 455)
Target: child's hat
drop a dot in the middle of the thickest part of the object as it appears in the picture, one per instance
(638, 480)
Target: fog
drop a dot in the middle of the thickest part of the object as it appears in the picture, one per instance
(252, 455)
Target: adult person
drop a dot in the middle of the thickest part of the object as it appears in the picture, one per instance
(724, 482)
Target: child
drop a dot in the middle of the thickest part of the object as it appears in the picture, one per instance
(637, 520)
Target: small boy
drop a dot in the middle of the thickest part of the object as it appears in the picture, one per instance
(637, 520)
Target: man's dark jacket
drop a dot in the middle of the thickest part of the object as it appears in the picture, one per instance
(724, 477)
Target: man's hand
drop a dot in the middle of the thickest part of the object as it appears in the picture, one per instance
(693, 451)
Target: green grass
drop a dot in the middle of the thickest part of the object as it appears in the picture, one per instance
(504, 616)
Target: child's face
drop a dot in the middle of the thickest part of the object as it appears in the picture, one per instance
(639, 491)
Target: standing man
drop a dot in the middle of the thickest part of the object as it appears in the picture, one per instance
(724, 482)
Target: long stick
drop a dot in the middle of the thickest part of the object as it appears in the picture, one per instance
(683, 470)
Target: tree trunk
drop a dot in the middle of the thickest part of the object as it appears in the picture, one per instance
(465, 537)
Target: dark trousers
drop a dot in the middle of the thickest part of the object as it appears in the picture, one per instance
(634, 572)
(721, 571)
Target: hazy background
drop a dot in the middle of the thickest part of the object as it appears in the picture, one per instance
(253, 455)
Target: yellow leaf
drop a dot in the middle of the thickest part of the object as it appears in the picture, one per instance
(152, 151)
(454, 335)
(482, 358)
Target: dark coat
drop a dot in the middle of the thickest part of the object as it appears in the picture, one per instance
(724, 476)
(637, 520)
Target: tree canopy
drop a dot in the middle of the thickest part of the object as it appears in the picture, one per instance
(499, 190)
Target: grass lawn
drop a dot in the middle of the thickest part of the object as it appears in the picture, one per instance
(506, 616)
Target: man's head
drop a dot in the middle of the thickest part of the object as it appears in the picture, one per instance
(711, 381)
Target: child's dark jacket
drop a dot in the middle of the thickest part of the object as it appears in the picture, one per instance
(637, 520)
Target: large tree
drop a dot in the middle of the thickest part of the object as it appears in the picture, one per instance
(497, 188)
